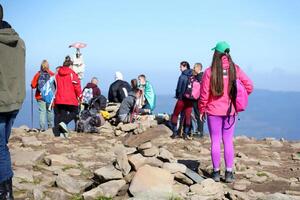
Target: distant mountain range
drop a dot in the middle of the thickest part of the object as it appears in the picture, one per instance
(270, 114)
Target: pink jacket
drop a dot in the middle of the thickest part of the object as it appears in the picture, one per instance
(220, 105)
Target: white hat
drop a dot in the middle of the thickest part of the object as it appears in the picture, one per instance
(118, 76)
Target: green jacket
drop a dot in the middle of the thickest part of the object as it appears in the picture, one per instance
(12, 70)
(150, 95)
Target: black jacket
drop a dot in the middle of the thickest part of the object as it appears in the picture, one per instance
(199, 76)
(182, 83)
(116, 91)
(127, 104)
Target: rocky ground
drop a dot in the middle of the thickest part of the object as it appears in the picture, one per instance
(140, 161)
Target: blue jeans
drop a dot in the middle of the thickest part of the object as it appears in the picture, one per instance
(45, 112)
(6, 122)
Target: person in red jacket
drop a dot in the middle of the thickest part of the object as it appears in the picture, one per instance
(38, 81)
(67, 97)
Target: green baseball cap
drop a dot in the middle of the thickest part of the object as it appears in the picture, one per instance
(221, 47)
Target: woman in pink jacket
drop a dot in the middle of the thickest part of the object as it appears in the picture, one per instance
(217, 90)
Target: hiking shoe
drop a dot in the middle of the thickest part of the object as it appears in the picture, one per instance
(63, 127)
(216, 176)
(64, 135)
(229, 178)
(174, 136)
(187, 137)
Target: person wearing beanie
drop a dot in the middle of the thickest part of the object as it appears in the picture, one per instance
(12, 94)
(119, 89)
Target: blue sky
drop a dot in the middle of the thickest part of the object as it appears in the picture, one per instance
(152, 37)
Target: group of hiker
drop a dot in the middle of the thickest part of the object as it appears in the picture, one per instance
(216, 95)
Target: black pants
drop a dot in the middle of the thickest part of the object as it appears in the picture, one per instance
(197, 116)
(64, 113)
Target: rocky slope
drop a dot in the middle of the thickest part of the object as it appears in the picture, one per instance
(140, 161)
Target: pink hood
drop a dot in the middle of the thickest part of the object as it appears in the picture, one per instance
(220, 105)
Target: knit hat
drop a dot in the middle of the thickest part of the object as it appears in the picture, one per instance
(118, 76)
(221, 47)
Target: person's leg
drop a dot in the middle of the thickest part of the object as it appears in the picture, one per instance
(197, 116)
(72, 113)
(188, 108)
(49, 116)
(6, 173)
(228, 132)
(58, 109)
(177, 110)
(42, 114)
(215, 124)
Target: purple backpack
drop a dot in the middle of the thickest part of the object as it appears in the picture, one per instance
(241, 97)
(193, 89)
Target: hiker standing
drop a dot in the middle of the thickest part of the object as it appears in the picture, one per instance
(119, 89)
(217, 95)
(149, 94)
(78, 64)
(67, 97)
(38, 81)
(183, 104)
(197, 72)
(12, 94)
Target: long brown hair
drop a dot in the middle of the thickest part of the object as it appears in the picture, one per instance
(216, 79)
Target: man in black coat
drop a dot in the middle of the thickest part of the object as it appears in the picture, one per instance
(119, 89)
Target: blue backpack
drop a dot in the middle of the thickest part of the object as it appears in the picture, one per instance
(48, 90)
(44, 77)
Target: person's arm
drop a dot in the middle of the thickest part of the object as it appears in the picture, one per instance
(34, 81)
(77, 86)
(247, 82)
(179, 86)
(204, 92)
(97, 92)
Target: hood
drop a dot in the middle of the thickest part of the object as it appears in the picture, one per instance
(9, 37)
(187, 72)
(225, 62)
(63, 71)
(91, 85)
(118, 76)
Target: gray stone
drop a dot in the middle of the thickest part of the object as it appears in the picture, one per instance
(180, 177)
(153, 151)
(166, 155)
(259, 179)
(127, 127)
(276, 144)
(174, 167)
(154, 162)
(111, 188)
(180, 189)
(122, 161)
(208, 187)
(146, 145)
(55, 159)
(31, 141)
(193, 175)
(118, 132)
(108, 173)
(38, 193)
(23, 175)
(70, 184)
(137, 160)
(26, 157)
(151, 182)
(55, 193)
(93, 194)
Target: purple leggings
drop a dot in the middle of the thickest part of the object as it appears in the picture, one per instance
(219, 128)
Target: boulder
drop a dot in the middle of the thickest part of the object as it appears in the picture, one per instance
(151, 182)
(146, 145)
(55, 159)
(111, 188)
(208, 187)
(23, 175)
(174, 167)
(153, 151)
(93, 194)
(137, 160)
(166, 155)
(122, 161)
(108, 173)
(127, 127)
(26, 157)
(70, 184)
(154, 162)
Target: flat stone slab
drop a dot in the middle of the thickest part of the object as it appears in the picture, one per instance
(194, 176)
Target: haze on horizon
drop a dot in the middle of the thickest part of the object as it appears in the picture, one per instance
(153, 37)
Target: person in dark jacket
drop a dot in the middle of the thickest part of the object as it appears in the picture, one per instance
(67, 98)
(94, 85)
(128, 106)
(119, 89)
(197, 72)
(182, 104)
(12, 94)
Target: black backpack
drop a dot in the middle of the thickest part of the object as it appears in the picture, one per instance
(98, 103)
(88, 122)
(44, 77)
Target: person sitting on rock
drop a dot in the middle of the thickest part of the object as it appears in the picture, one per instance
(128, 106)
(90, 91)
(149, 94)
(119, 89)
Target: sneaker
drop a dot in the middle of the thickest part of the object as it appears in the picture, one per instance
(174, 136)
(216, 176)
(64, 135)
(187, 137)
(63, 127)
(229, 178)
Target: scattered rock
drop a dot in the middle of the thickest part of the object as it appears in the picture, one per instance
(174, 167)
(180, 177)
(111, 188)
(276, 144)
(122, 161)
(93, 194)
(296, 156)
(70, 184)
(180, 189)
(166, 155)
(108, 173)
(31, 141)
(153, 151)
(137, 160)
(23, 175)
(55, 159)
(154, 162)
(151, 182)
(146, 145)
(26, 157)
(127, 127)
(259, 179)
(208, 187)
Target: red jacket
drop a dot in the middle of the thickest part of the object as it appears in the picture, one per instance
(68, 87)
(34, 84)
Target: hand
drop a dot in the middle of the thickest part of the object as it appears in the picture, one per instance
(203, 117)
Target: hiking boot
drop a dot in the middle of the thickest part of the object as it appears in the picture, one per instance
(216, 176)
(186, 137)
(7, 193)
(63, 127)
(229, 178)
(174, 136)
